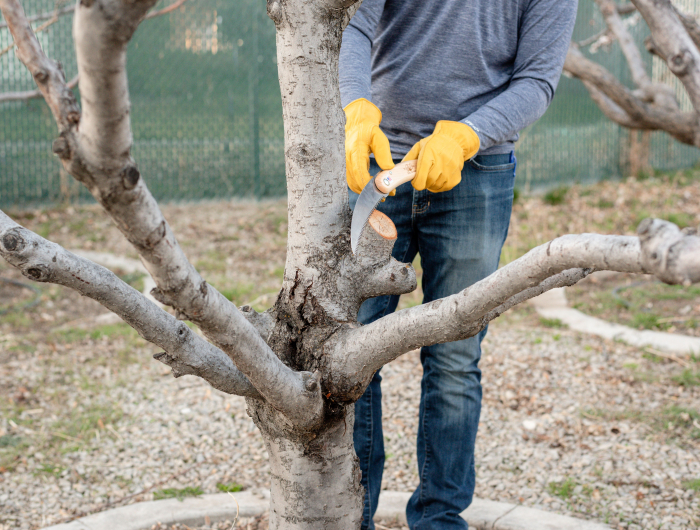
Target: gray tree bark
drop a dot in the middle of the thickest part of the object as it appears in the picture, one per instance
(649, 106)
(303, 363)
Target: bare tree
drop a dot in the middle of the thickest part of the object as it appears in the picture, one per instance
(650, 106)
(302, 364)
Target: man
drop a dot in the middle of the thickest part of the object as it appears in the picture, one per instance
(452, 82)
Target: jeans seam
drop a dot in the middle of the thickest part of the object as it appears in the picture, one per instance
(369, 460)
(425, 463)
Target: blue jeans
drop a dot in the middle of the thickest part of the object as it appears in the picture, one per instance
(459, 235)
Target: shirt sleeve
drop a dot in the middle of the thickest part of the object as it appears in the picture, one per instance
(355, 67)
(545, 34)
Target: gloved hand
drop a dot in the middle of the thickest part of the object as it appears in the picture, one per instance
(362, 136)
(441, 156)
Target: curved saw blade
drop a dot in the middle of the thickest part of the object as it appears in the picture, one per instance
(366, 204)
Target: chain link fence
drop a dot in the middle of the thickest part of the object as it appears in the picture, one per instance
(207, 113)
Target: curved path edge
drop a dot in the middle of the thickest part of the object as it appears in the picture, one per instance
(481, 515)
(553, 305)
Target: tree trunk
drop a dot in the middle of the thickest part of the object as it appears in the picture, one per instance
(315, 474)
(315, 477)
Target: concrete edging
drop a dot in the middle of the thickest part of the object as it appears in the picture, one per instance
(481, 515)
(553, 304)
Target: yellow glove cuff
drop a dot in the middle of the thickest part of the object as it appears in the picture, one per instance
(464, 135)
(362, 110)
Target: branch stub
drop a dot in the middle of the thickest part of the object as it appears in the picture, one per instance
(13, 242)
(41, 76)
(382, 225)
(680, 62)
(39, 273)
(61, 148)
(130, 177)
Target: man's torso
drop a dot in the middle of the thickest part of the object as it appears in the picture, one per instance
(441, 60)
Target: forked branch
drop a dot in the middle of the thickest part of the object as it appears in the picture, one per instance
(664, 251)
(186, 352)
(675, 38)
(98, 154)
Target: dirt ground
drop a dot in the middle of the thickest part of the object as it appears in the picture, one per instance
(572, 424)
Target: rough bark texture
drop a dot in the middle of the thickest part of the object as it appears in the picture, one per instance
(303, 363)
(675, 38)
(315, 477)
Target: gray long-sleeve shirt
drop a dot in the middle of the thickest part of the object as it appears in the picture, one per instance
(492, 64)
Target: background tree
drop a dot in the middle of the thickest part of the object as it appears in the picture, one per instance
(650, 105)
(303, 363)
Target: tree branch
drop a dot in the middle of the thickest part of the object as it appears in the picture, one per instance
(690, 24)
(53, 16)
(47, 74)
(681, 125)
(32, 94)
(56, 13)
(626, 9)
(634, 58)
(187, 353)
(98, 154)
(672, 38)
(358, 353)
(611, 110)
(172, 7)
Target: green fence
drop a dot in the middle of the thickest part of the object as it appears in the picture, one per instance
(207, 115)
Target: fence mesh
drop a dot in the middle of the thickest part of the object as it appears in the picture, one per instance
(207, 113)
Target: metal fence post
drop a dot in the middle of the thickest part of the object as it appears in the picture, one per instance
(253, 81)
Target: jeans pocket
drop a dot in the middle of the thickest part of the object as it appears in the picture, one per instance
(508, 167)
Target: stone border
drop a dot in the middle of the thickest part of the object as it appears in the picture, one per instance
(481, 515)
(553, 304)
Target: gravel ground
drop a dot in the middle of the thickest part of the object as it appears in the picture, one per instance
(570, 424)
(567, 426)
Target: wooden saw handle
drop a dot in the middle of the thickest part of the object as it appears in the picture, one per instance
(387, 181)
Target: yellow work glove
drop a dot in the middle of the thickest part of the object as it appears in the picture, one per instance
(362, 137)
(441, 156)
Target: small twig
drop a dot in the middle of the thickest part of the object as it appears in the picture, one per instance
(45, 16)
(59, 13)
(32, 94)
(65, 436)
(674, 319)
(669, 356)
(590, 40)
(119, 436)
(45, 25)
(259, 299)
(165, 10)
(238, 509)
